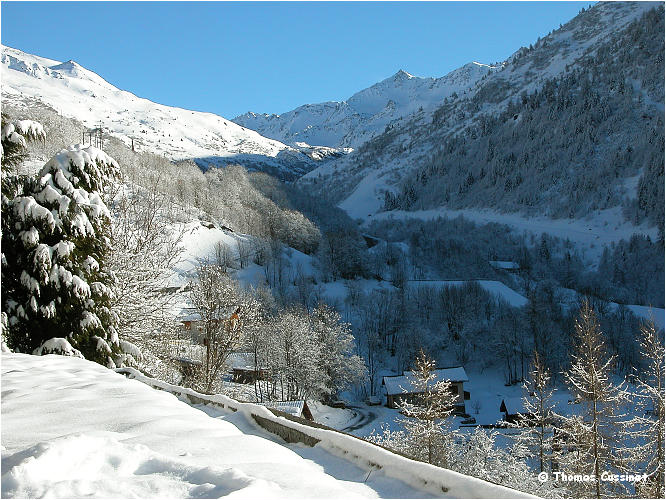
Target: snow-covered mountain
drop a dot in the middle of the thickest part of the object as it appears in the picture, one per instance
(179, 134)
(367, 113)
(500, 146)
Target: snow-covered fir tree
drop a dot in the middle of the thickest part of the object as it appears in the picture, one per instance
(55, 241)
(13, 151)
(14, 138)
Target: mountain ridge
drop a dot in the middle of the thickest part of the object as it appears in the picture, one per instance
(366, 113)
(179, 134)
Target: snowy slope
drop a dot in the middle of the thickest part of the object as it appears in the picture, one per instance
(176, 133)
(366, 114)
(590, 235)
(72, 428)
(497, 288)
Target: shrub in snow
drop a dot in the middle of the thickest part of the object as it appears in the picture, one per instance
(57, 346)
(55, 239)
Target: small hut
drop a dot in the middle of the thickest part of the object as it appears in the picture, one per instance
(190, 319)
(243, 371)
(513, 409)
(298, 409)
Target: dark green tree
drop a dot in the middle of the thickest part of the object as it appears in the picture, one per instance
(55, 241)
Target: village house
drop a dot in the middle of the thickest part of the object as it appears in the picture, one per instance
(505, 265)
(190, 320)
(243, 371)
(403, 387)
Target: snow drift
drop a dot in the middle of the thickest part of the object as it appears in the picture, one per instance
(72, 428)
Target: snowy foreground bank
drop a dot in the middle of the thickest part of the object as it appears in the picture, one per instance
(71, 428)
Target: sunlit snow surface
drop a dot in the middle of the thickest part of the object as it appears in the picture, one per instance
(176, 133)
(71, 428)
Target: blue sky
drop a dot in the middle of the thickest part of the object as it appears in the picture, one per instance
(228, 57)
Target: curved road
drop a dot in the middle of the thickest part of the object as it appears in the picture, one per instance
(362, 417)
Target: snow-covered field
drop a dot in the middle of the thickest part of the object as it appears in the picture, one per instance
(589, 235)
(497, 288)
(72, 428)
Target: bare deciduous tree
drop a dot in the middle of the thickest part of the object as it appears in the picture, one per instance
(217, 300)
(224, 258)
(244, 253)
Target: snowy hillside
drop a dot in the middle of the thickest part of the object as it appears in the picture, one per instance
(176, 133)
(367, 113)
(489, 149)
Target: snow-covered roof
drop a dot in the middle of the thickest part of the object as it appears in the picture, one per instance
(187, 314)
(294, 408)
(241, 361)
(504, 264)
(401, 384)
(187, 361)
(512, 405)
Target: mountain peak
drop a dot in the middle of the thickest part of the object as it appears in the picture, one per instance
(73, 69)
(402, 75)
(67, 66)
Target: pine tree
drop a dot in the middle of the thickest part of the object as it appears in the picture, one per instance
(55, 242)
(594, 431)
(427, 414)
